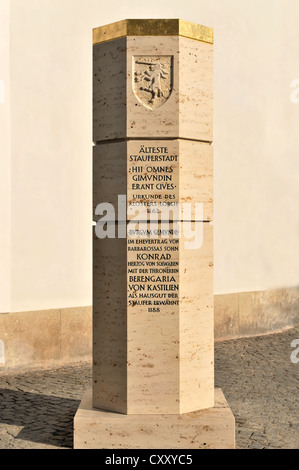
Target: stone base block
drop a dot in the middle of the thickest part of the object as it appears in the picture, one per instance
(213, 428)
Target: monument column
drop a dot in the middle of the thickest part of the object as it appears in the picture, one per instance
(153, 360)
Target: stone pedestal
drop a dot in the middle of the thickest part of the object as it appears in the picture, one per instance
(153, 343)
(204, 429)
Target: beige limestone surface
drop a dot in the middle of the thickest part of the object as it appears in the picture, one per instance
(153, 321)
(109, 90)
(186, 109)
(206, 429)
(139, 169)
(110, 324)
(153, 289)
(197, 323)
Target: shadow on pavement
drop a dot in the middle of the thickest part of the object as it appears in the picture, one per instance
(45, 419)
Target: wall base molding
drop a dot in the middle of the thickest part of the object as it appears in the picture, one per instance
(43, 337)
(64, 336)
(255, 313)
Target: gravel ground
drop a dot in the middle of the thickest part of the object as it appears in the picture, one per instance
(256, 375)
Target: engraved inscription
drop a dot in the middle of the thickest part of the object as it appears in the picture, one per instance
(153, 268)
(153, 77)
(153, 248)
(153, 173)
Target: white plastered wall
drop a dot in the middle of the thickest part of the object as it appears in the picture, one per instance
(256, 142)
(5, 161)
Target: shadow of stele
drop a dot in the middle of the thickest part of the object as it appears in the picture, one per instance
(45, 419)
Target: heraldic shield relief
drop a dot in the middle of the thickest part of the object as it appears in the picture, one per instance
(152, 79)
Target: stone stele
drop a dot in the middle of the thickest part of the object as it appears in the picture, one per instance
(153, 327)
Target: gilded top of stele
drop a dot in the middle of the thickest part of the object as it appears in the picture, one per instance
(153, 27)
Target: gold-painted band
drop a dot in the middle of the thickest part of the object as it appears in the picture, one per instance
(153, 27)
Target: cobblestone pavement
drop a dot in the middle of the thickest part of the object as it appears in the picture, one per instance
(256, 374)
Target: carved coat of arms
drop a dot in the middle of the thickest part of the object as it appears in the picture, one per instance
(152, 79)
